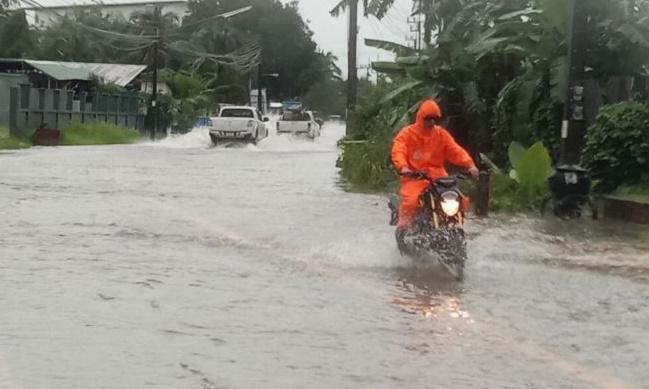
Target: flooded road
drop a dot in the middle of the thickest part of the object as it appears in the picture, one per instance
(176, 265)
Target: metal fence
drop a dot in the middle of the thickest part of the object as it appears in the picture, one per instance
(31, 108)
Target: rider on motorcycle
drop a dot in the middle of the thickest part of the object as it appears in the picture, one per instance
(424, 146)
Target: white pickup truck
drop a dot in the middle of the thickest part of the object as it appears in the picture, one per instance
(298, 123)
(238, 123)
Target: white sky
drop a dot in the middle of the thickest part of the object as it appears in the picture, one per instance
(331, 33)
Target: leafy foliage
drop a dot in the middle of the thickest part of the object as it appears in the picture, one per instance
(16, 40)
(9, 142)
(526, 183)
(97, 133)
(215, 59)
(365, 160)
(617, 145)
(533, 171)
(500, 70)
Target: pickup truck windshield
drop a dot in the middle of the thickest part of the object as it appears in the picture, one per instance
(236, 113)
(291, 116)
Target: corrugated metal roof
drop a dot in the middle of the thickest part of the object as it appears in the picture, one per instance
(62, 70)
(118, 74)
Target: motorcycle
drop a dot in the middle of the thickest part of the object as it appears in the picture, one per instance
(569, 193)
(437, 230)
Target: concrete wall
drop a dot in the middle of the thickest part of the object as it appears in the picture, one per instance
(29, 108)
(7, 81)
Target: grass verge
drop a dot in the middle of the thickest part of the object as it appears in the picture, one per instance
(98, 133)
(8, 142)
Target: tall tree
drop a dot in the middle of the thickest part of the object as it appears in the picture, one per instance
(287, 47)
(16, 39)
(152, 22)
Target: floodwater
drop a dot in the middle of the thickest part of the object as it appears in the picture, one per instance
(172, 264)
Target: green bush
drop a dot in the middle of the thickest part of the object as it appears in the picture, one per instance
(98, 133)
(525, 185)
(10, 142)
(365, 161)
(617, 145)
(367, 165)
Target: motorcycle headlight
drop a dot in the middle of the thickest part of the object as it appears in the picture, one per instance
(450, 203)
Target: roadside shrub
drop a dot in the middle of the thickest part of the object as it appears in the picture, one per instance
(617, 145)
(523, 188)
(98, 133)
(9, 142)
(367, 165)
(365, 161)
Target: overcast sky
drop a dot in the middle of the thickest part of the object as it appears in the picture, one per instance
(331, 33)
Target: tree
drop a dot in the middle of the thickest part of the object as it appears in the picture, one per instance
(77, 37)
(287, 47)
(16, 39)
(376, 8)
(154, 25)
(4, 4)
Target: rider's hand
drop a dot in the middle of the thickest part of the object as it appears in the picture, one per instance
(475, 173)
(405, 170)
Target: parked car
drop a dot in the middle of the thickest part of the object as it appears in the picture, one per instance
(238, 123)
(298, 123)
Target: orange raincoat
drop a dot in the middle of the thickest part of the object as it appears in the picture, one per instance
(419, 149)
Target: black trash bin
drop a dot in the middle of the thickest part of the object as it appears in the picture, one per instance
(570, 190)
(569, 180)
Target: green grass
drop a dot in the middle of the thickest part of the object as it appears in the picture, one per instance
(639, 192)
(98, 133)
(10, 142)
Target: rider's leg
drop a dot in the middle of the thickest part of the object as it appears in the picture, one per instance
(409, 193)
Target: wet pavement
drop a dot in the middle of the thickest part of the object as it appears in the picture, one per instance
(172, 264)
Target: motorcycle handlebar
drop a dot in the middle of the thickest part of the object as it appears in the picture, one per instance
(421, 175)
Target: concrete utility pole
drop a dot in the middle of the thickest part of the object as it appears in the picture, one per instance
(574, 125)
(259, 105)
(415, 24)
(352, 77)
(154, 88)
(428, 23)
(155, 11)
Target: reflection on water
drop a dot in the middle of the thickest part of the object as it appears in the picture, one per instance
(428, 289)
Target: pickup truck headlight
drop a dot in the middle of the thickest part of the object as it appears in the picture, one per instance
(251, 123)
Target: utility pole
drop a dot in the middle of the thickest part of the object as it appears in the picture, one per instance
(259, 87)
(154, 88)
(352, 77)
(574, 125)
(569, 180)
(419, 30)
(428, 20)
(415, 24)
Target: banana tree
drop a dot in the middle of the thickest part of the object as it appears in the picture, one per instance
(376, 8)
(619, 38)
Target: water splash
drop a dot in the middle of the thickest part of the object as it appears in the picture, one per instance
(199, 137)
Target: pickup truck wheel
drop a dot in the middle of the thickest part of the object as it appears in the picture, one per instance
(254, 140)
(214, 140)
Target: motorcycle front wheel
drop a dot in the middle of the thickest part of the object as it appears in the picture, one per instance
(452, 253)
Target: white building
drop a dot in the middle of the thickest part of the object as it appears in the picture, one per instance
(46, 16)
